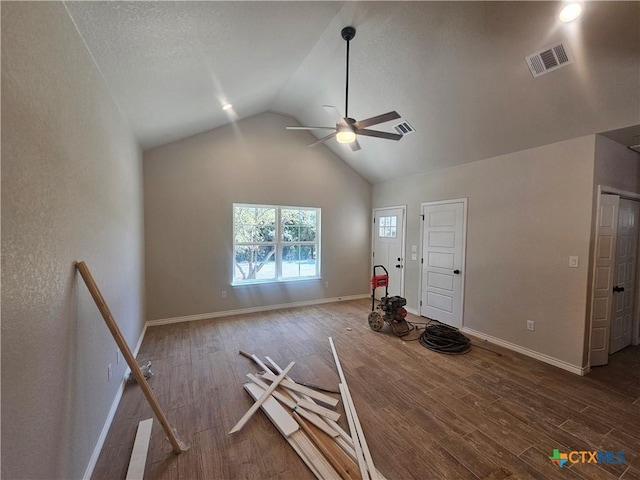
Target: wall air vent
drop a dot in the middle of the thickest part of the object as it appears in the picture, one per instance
(403, 128)
(549, 59)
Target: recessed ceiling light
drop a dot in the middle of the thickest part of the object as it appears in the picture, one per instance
(227, 106)
(570, 12)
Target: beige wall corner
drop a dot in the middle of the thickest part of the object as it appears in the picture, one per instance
(190, 186)
(527, 213)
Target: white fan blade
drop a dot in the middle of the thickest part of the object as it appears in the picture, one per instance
(310, 128)
(331, 135)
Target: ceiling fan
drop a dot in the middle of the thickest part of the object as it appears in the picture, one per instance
(348, 128)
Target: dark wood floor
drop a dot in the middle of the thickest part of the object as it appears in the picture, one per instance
(425, 415)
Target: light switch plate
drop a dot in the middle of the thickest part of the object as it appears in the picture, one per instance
(414, 256)
(414, 248)
(573, 262)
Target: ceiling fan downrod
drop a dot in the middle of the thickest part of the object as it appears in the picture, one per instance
(347, 34)
(347, 129)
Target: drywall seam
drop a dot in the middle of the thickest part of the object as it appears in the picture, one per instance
(529, 353)
(112, 412)
(242, 311)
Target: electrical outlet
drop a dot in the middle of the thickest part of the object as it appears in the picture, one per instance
(109, 372)
(326, 284)
(531, 325)
(223, 294)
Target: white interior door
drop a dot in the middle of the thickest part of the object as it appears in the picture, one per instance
(443, 247)
(622, 313)
(388, 247)
(603, 279)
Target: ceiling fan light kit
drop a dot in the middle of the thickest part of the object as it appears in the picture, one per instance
(346, 136)
(347, 129)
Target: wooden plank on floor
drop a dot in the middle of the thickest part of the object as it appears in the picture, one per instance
(320, 410)
(265, 395)
(321, 397)
(140, 449)
(278, 415)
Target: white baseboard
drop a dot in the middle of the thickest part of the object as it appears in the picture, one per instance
(112, 412)
(529, 353)
(412, 311)
(242, 311)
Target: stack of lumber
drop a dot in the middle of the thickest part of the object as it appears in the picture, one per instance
(307, 420)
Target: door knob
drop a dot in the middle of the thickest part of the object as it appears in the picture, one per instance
(398, 266)
(618, 289)
(456, 271)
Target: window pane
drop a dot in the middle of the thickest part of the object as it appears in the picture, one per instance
(291, 261)
(308, 261)
(290, 217)
(299, 225)
(388, 227)
(254, 224)
(308, 234)
(291, 253)
(255, 262)
(299, 261)
(290, 233)
(312, 218)
(265, 233)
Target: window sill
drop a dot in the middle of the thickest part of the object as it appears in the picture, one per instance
(250, 283)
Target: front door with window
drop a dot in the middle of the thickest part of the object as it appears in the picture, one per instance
(388, 247)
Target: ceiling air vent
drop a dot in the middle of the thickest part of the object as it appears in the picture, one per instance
(549, 59)
(403, 128)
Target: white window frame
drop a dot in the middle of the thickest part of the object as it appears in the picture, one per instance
(278, 244)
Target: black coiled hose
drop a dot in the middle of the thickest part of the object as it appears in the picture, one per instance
(444, 339)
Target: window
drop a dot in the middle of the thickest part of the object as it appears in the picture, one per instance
(273, 243)
(387, 228)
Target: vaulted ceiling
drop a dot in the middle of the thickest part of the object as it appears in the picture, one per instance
(455, 71)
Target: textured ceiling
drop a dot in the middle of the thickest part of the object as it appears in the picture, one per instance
(454, 70)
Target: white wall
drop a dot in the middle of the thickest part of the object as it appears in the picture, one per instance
(189, 188)
(527, 213)
(616, 166)
(71, 190)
